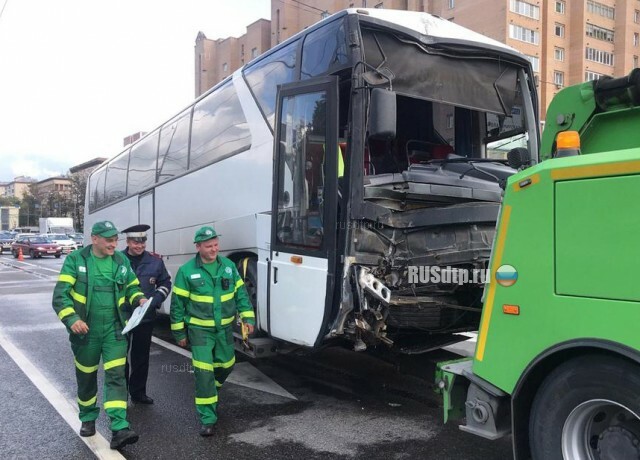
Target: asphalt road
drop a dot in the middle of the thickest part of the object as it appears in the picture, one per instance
(332, 404)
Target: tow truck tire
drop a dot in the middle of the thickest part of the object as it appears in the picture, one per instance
(248, 269)
(587, 408)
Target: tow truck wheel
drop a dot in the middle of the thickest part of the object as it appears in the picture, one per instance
(587, 409)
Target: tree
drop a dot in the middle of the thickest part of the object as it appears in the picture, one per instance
(77, 196)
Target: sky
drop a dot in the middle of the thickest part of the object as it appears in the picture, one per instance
(77, 76)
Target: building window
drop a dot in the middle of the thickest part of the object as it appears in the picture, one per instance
(452, 4)
(636, 39)
(558, 54)
(589, 76)
(524, 34)
(525, 9)
(254, 52)
(599, 33)
(635, 61)
(535, 63)
(560, 7)
(559, 30)
(636, 16)
(379, 5)
(599, 56)
(605, 11)
(225, 67)
(558, 78)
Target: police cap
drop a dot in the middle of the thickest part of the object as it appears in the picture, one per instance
(137, 232)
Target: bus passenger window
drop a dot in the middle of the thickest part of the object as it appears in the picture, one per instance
(116, 183)
(219, 127)
(265, 75)
(142, 164)
(173, 153)
(324, 51)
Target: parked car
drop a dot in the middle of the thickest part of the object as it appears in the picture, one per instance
(67, 244)
(78, 238)
(6, 238)
(36, 246)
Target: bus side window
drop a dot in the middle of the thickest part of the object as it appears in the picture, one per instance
(143, 162)
(173, 152)
(325, 50)
(116, 182)
(265, 75)
(219, 129)
(96, 188)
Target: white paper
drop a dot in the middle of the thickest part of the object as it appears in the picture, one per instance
(137, 316)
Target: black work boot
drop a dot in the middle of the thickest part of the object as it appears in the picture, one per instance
(206, 430)
(122, 438)
(88, 429)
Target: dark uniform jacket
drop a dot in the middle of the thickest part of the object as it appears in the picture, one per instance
(154, 279)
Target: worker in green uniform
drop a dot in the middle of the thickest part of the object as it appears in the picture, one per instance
(208, 292)
(92, 288)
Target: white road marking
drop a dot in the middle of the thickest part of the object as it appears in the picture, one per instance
(66, 408)
(243, 374)
(33, 265)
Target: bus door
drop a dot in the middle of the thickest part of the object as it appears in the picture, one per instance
(303, 231)
(145, 215)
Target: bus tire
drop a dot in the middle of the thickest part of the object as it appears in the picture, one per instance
(248, 269)
(587, 407)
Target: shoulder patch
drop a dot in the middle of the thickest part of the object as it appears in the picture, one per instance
(227, 270)
(195, 276)
(155, 254)
(82, 269)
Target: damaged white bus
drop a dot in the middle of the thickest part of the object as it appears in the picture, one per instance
(368, 144)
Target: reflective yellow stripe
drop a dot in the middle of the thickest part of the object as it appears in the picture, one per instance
(66, 312)
(496, 262)
(115, 405)
(88, 402)
(225, 297)
(181, 292)
(120, 301)
(201, 298)
(201, 322)
(77, 297)
(229, 320)
(135, 296)
(247, 314)
(218, 384)
(67, 279)
(239, 284)
(244, 267)
(202, 365)
(86, 369)
(226, 365)
(177, 326)
(135, 282)
(114, 363)
(211, 400)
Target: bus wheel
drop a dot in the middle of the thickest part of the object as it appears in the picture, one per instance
(248, 269)
(587, 408)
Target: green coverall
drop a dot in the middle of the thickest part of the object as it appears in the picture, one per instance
(94, 290)
(202, 308)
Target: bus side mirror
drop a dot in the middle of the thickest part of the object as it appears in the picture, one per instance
(382, 114)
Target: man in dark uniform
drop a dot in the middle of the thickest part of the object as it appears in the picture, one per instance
(155, 282)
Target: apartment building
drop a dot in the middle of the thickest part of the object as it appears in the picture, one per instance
(19, 186)
(567, 41)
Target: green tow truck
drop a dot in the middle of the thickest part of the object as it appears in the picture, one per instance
(557, 361)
